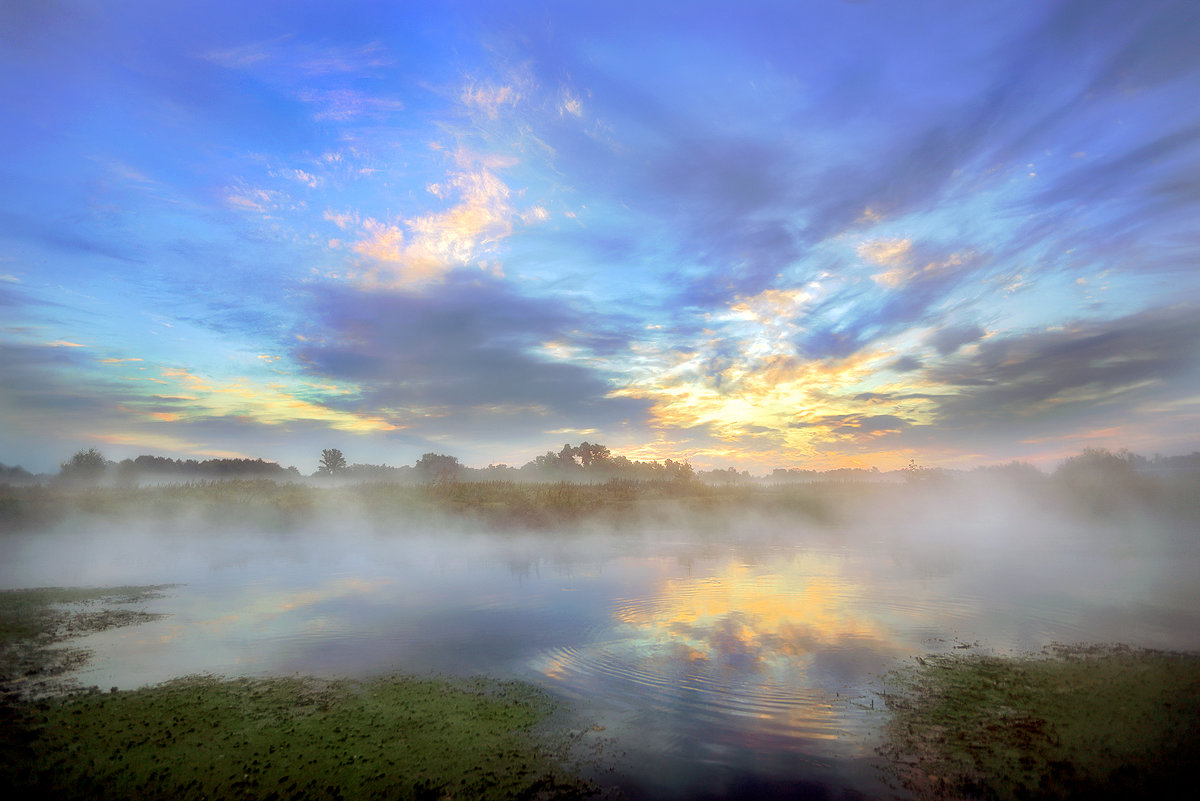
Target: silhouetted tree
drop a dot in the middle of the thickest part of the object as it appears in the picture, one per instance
(566, 457)
(14, 475)
(84, 466)
(590, 454)
(1097, 466)
(332, 462)
(438, 468)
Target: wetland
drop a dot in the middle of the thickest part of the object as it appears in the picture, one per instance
(765, 643)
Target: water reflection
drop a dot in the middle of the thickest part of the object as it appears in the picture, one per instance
(769, 657)
(706, 660)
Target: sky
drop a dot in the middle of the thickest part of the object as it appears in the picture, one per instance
(754, 235)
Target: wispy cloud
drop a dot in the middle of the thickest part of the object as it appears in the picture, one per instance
(489, 99)
(286, 56)
(344, 105)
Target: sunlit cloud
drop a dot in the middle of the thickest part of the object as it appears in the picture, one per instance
(885, 252)
(342, 220)
(782, 254)
(270, 404)
(465, 234)
(161, 442)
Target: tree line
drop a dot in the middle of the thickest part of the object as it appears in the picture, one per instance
(582, 462)
(585, 462)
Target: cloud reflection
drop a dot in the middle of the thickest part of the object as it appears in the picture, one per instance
(751, 618)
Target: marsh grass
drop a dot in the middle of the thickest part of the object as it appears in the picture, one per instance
(265, 505)
(1073, 722)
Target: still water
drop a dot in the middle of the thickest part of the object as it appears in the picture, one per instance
(696, 663)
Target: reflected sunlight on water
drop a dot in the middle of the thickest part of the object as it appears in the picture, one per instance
(767, 647)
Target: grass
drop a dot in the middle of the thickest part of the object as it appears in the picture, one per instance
(285, 738)
(265, 505)
(1083, 722)
(271, 739)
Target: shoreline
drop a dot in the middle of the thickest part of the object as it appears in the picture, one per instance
(1074, 721)
(271, 738)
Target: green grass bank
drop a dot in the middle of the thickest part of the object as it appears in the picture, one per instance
(1079, 722)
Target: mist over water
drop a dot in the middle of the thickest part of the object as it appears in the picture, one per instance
(713, 650)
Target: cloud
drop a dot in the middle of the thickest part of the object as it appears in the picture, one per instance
(75, 237)
(285, 57)
(469, 354)
(1088, 370)
(885, 252)
(343, 220)
(383, 242)
(950, 338)
(489, 99)
(344, 105)
(854, 427)
(466, 234)
(571, 104)
(43, 382)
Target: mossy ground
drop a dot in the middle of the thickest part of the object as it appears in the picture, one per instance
(276, 738)
(1083, 722)
(285, 738)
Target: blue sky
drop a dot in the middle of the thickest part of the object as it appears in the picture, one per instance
(758, 235)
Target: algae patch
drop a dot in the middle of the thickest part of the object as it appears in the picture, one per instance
(1072, 722)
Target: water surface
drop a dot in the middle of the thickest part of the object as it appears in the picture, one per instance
(706, 661)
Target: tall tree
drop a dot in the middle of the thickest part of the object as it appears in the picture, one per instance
(86, 465)
(332, 462)
(438, 468)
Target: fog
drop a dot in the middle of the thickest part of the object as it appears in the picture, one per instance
(744, 633)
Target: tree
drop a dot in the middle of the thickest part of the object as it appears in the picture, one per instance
(590, 454)
(438, 468)
(86, 465)
(332, 462)
(566, 457)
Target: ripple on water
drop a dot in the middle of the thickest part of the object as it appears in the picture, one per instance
(711, 657)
